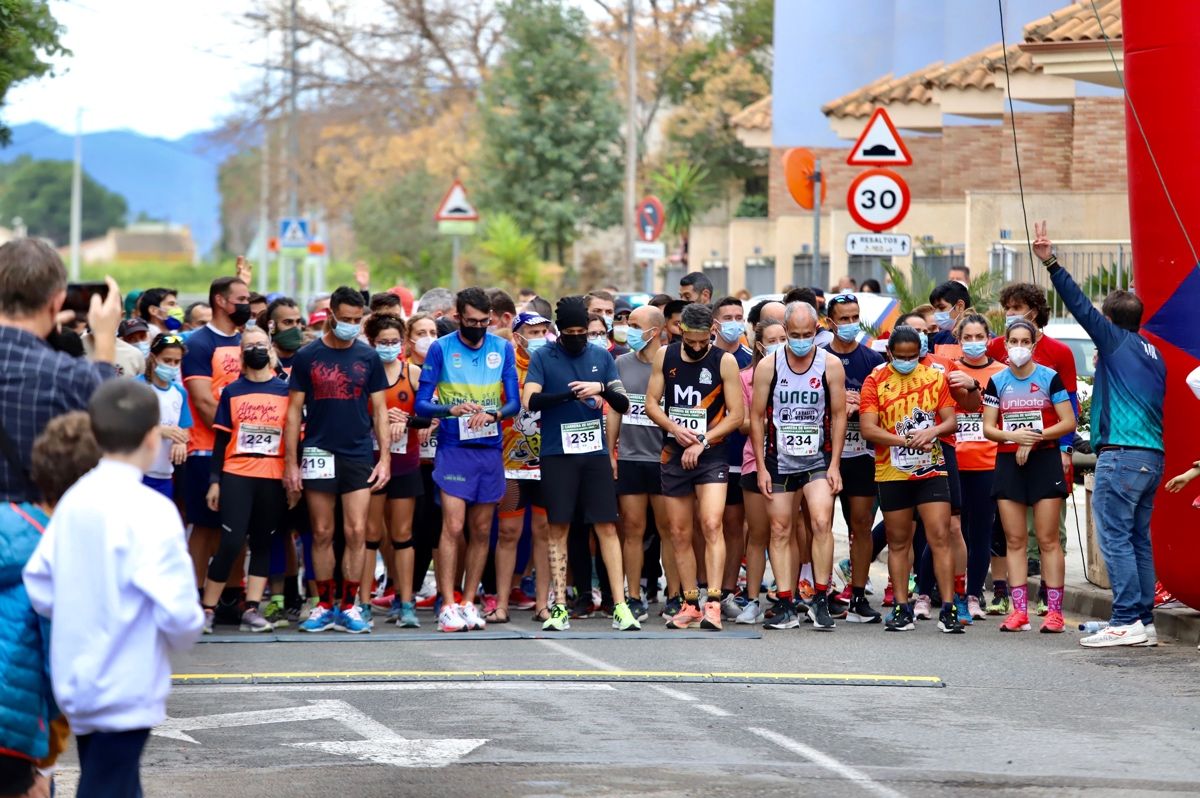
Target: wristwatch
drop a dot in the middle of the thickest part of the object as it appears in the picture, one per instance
(1068, 450)
(974, 388)
(497, 416)
(703, 440)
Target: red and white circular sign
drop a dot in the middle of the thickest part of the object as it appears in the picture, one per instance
(878, 199)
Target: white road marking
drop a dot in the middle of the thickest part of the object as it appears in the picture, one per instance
(825, 761)
(716, 711)
(671, 692)
(584, 658)
(195, 689)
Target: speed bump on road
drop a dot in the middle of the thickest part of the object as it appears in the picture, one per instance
(682, 677)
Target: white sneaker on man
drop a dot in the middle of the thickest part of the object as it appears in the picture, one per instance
(1151, 637)
(470, 614)
(1128, 635)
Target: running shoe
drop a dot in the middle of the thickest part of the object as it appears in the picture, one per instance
(384, 600)
(471, 615)
(490, 603)
(351, 621)
(712, 616)
(1163, 599)
(1042, 606)
(948, 622)
(730, 609)
(274, 612)
(1001, 605)
(1016, 622)
(407, 617)
(921, 607)
(1054, 623)
(605, 608)
(583, 607)
(963, 610)
(623, 620)
(209, 615)
(638, 608)
(672, 607)
(783, 617)
(1151, 637)
(253, 621)
(901, 619)
(846, 594)
(310, 604)
(861, 611)
(319, 620)
(529, 586)
(818, 613)
(837, 607)
(1127, 635)
(843, 571)
(393, 610)
(974, 609)
(805, 590)
(368, 615)
(559, 620)
(518, 599)
(889, 595)
(450, 619)
(689, 615)
(752, 613)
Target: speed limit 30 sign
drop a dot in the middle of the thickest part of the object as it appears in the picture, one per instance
(878, 199)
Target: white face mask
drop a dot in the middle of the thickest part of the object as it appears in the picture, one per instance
(1019, 355)
(422, 346)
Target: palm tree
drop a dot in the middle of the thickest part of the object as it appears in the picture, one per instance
(681, 188)
(912, 290)
(508, 256)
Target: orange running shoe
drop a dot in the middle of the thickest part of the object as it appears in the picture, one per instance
(1053, 623)
(1019, 622)
(712, 616)
(688, 616)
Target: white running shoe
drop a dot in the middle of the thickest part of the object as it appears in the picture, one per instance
(471, 615)
(752, 613)
(1151, 637)
(1128, 635)
(921, 607)
(730, 609)
(451, 620)
(974, 609)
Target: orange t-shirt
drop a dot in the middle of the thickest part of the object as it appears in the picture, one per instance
(975, 452)
(253, 413)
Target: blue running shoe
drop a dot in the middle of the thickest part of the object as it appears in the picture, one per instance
(964, 614)
(407, 618)
(351, 621)
(393, 613)
(319, 620)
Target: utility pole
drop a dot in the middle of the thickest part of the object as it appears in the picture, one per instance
(77, 196)
(631, 146)
(264, 174)
(818, 278)
(293, 138)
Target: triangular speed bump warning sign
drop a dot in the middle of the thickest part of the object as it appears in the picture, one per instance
(455, 206)
(879, 144)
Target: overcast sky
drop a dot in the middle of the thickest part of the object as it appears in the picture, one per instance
(160, 67)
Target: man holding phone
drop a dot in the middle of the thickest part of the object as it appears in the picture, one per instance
(38, 383)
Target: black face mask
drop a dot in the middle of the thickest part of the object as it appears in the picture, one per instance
(473, 335)
(241, 314)
(256, 357)
(695, 354)
(574, 344)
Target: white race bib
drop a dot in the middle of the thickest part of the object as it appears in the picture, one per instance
(692, 419)
(854, 440)
(397, 447)
(429, 447)
(259, 439)
(910, 459)
(316, 464)
(488, 430)
(1026, 419)
(581, 437)
(637, 411)
(798, 440)
(970, 428)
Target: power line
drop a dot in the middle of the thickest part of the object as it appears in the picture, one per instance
(1012, 118)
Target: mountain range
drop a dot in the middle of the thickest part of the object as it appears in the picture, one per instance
(173, 180)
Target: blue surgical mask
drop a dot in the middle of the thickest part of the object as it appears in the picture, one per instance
(600, 342)
(848, 332)
(345, 331)
(534, 344)
(924, 344)
(143, 347)
(904, 366)
(801, 346)
(1011, 320)
(731, 331)
(608, 322)
(166, 373)
(975, 348)
(943, 320)
(636, 340)
(388, 352)
(773, 348)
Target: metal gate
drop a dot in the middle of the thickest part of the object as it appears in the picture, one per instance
(760, 276)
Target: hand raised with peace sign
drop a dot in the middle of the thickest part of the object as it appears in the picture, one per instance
(1041, 242)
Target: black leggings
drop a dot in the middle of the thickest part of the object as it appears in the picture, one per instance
(978, 516)
(251, 505)
(427, 527)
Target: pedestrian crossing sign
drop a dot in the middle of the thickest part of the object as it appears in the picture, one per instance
(294, 234)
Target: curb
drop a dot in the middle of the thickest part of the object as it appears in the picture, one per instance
(1181, 624)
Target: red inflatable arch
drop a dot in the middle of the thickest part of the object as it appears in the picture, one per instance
(1160, 41)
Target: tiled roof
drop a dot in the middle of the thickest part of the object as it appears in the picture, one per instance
(755, 116)
(1076, 23)
(910, 88)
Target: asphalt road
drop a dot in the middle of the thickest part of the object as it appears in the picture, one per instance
(1024, 714)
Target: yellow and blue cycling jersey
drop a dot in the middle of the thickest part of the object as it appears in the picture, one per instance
(457, 373)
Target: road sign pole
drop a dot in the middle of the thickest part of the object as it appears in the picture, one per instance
(817, 221)
(454, 245)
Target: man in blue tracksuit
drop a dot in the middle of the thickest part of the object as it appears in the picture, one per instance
(1127, 434)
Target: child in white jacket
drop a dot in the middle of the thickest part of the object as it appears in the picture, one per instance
(113, 574)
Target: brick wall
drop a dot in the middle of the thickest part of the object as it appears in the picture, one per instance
(1098, 147)
(1060, 150)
